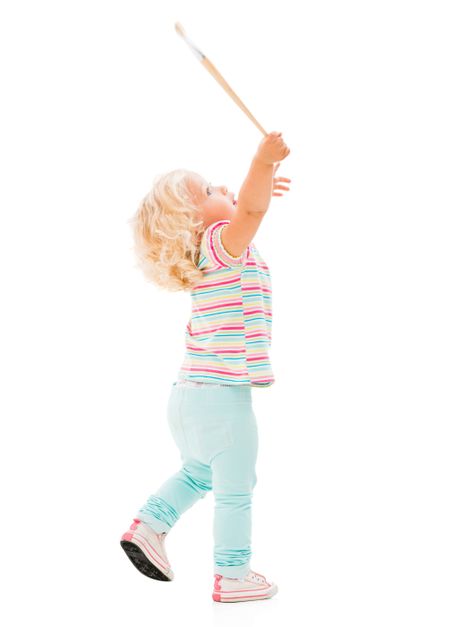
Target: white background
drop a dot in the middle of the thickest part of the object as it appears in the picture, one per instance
(351, 509)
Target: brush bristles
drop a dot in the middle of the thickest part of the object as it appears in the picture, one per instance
(179, 29)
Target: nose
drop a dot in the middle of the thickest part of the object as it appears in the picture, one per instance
(223, 189)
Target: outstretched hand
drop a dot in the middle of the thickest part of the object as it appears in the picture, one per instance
(276, 182)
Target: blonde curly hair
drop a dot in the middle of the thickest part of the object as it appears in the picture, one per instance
(167, 229)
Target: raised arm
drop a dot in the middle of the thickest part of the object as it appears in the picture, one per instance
(255, 195)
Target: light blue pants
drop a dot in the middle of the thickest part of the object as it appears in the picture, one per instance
(216, 432)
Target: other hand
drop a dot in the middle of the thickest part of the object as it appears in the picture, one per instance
(277, 180)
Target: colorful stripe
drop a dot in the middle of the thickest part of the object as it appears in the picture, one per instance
(229, 334)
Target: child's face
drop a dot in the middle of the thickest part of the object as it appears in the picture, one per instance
(214, 203)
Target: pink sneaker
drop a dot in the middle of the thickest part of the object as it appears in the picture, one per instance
(146, 550)
(253, 587)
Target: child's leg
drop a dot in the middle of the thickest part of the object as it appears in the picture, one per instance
(233, 480)
(165, 506)
(176, 495)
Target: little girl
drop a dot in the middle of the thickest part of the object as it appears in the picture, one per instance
(192, 236)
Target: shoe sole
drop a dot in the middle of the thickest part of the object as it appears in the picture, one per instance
(141, 561)
(219, 598)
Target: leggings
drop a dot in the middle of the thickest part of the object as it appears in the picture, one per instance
(215, 430)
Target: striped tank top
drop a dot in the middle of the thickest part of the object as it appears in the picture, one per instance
(229, 333)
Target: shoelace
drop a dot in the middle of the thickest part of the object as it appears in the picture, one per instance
(257, 578)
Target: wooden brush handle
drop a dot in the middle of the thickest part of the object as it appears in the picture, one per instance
(220, 79)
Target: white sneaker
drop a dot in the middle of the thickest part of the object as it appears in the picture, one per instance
(145, 548)
(253, 587)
